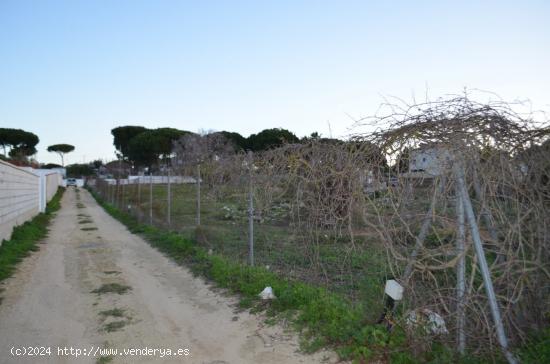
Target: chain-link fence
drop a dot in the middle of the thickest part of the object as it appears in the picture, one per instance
(230, 201)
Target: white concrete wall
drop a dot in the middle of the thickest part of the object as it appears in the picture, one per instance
(24, 192)
(19, 197)
(53, 181)
(50, 180)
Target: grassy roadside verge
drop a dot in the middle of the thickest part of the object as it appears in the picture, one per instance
(324, 319)
(25, 237)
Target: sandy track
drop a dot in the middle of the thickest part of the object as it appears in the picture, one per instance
(49, 302)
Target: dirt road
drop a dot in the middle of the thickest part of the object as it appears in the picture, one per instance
(94, 286)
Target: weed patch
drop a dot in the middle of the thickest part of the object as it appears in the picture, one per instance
(111, 272)
(115, 325)
(112, 288)
(115, 312)
(88, 228)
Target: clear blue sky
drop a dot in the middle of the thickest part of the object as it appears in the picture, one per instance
(70, 71)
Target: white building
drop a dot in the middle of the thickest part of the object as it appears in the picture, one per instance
(430, 160)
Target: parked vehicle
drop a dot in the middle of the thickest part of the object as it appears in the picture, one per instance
(71, 182)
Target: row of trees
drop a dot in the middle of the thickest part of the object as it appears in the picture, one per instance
(19, 145)
(78, 170)
(145, 147)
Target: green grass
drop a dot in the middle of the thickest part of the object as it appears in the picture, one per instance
(115, 325)
(538, 348)
(115, 312)
(112, 288)
(88, 228)
(25, 237)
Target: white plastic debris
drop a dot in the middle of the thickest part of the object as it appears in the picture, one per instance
(431, 321)
(394, 289)
(267, 294)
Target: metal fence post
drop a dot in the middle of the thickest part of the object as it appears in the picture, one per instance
(250, 211)
(198, 194)
(150, 198)
(484, 268)
(123, 198)
(117, 186)
(139, 214)
(111, 194)
(169, 202)
(460, 274)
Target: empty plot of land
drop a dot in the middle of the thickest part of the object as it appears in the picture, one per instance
(95, 286)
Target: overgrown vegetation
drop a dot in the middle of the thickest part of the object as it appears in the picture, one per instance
(25, 237)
